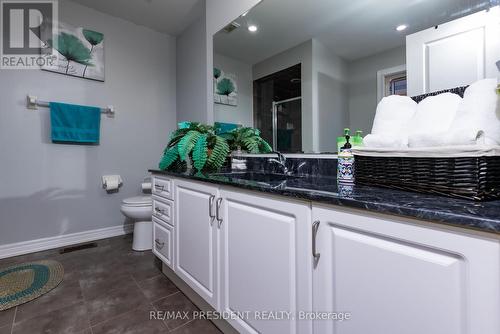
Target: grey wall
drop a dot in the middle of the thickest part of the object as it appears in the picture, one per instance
(48, 189)
(363, 86)
(330, 97)
(191, 68)
(243, 112)
(300, 54)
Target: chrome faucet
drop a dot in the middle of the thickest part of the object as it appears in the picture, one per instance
(299, 167)
(280, 161)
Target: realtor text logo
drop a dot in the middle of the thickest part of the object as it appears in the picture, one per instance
(26, 33)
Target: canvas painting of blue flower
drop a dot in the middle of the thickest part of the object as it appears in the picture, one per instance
(79, 52)
(225, 88)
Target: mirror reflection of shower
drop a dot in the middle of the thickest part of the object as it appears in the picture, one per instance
(278, 109)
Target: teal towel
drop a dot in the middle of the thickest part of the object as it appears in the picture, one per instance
(75, 124)
(221, 128)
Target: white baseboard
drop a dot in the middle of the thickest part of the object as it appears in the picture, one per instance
(31, 246)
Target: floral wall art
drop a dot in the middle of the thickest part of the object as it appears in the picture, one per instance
(80, 53)
(225, 88)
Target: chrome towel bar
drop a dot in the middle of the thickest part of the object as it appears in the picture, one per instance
(34, 103)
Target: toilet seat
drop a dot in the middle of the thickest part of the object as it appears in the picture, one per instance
(138, 201)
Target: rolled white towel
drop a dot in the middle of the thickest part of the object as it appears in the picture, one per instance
(427, 140)
(393, 114)
(450, 138)
(479, 111)
(385, 141)
(434, 116)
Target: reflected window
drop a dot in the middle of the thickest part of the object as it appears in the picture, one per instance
(395, 84)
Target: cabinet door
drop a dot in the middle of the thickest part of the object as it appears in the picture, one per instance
(266, 262)
(196, 238)
(455, 54)
(394, 277)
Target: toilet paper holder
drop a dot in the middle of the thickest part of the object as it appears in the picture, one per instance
(111, 183)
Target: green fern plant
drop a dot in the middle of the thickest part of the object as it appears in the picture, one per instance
(219, 153)
(207, 150)
(247, 139)
(200, 152)
(186, 144)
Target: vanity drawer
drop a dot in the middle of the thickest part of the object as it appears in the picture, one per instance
(163, 209)
(163, 237)
(163, 187)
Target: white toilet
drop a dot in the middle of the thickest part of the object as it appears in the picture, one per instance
(139, 209)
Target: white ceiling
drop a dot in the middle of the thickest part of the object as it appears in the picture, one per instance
(352, 29)
(166, 16)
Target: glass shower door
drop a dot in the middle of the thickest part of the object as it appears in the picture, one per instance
(287, 125)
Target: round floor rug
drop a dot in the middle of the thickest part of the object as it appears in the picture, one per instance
(24, 282)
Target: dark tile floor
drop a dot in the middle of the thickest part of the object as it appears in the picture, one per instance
(107, 289)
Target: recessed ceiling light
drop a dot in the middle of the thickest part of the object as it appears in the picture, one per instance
(401, 27)
(252, 28)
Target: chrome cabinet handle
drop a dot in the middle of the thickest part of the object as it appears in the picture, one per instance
(315, 227)
(210, 208)
(217, 211)
(159, 211)
(159, 244)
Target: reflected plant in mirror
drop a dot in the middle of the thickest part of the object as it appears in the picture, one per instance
(301, 85)
(247, 140)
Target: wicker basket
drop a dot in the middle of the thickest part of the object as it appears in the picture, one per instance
(473, 178)
(469, 177)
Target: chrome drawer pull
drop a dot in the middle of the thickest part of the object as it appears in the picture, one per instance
(315, 227)
(217, 211)
(159, 244)
(210, 208)
(159, 187)
(159, 211)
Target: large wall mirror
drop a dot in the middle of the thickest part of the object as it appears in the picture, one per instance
(301, 72)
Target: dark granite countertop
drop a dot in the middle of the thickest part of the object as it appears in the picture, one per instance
(483, 216)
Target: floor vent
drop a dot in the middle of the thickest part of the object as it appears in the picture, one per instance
(77, 248)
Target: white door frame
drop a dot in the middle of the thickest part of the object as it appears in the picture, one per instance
(382, 74)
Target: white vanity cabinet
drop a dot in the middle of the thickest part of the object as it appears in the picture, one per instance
(397, 277)
(246, 255)
(281, 265)
(265, 262)
(196, 238)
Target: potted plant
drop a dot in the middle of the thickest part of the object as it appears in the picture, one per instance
(197, 142)
(247, 139)
(207, 150)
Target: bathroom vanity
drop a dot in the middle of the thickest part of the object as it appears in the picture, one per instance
(280, 254)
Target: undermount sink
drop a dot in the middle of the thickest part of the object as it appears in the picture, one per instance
(257, 177)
